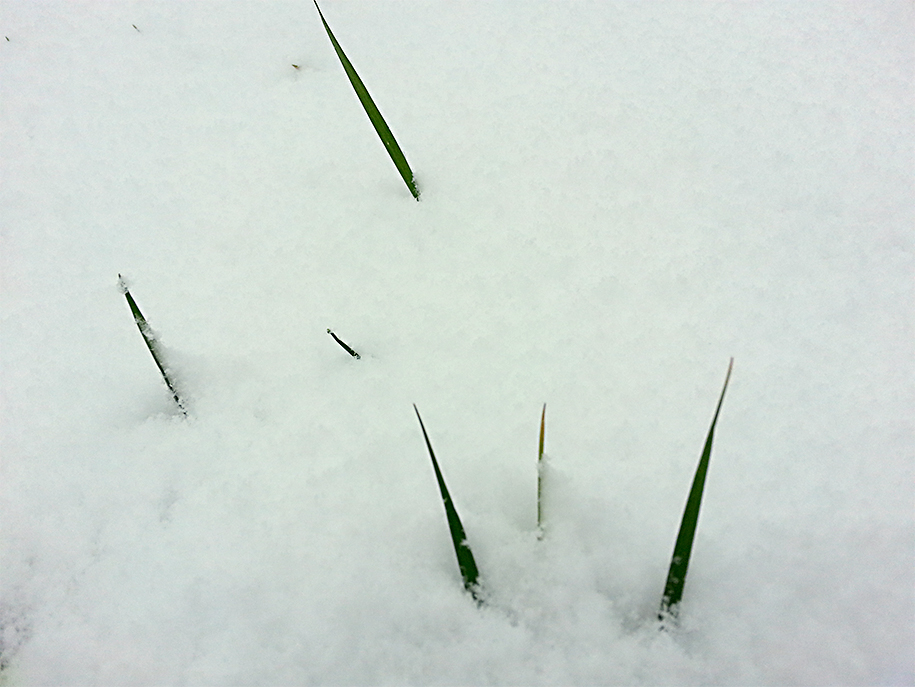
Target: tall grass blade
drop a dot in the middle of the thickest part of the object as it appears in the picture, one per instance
(381, 127)
(676, 576)
(151, 343)
(467, 565)
(540, 474)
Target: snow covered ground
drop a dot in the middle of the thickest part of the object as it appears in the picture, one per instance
(617, 198)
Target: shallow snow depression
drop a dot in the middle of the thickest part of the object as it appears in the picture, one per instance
(617, 198)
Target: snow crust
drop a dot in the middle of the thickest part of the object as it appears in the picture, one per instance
(617, 198)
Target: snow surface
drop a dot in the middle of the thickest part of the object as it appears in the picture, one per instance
(617, 198)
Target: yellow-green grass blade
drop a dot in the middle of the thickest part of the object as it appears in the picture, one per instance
(381, 127)
(151, 343)
(465, 560)
(540, 472)
(676, 576)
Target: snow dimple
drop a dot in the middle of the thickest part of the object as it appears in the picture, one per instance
(15, 631)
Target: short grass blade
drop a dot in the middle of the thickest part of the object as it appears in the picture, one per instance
(381, 127)
(151, 343)
(676, 576)
(344, 345)
(540, 473)
(465, 560)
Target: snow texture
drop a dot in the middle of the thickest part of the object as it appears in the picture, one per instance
(617, 198)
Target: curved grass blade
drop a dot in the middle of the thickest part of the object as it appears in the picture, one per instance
(676, 576)
(465, 560)
(381, 127)
(151, 343)
(540, 474)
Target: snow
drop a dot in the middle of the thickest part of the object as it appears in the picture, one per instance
(617, 198)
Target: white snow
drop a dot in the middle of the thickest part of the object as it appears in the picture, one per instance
(617, 198)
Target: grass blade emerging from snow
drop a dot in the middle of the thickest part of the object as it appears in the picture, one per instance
(676, 576)
(540, 474)
(381, 127)
(151, 343)
(344, 345)
(465, 560)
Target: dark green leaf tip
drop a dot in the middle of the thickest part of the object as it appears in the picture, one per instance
(466, 563)
(151, 343)
(679, 563)
(344, 345)
(381, 127)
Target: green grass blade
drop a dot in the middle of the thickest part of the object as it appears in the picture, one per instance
(344, 345)
(465, 560)
(381, 127)
(540, 472)
(151, 343)
(676, 576)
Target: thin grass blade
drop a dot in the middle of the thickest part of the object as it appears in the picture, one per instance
(676, 576)
(540, 472)
(151, 343)
(381, 127)
(466, 563)
(344, 345)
